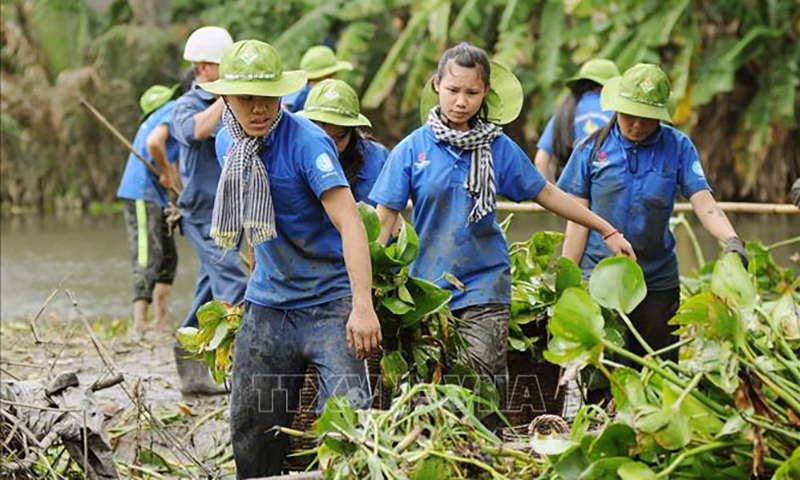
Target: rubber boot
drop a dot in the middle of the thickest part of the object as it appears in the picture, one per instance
(194, 375)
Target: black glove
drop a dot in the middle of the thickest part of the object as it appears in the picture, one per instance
(736, 245)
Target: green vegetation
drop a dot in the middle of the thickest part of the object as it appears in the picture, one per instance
(733, 63)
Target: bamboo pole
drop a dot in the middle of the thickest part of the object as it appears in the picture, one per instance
(735, 207)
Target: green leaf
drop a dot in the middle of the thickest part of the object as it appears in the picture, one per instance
(628, 390)
(337, 417)
(550, 446)
(635, 471)
(790, 469)
(382, 262)
(618, 283)
(407, 246)
(405, 295)
(616, 440)
(669, 429)
(372, 223)
(550, 42)
(605, 469)
(428, 298)
(576, 327)
(219, 335)
(150, 457)
(433, 468)
(374, 464)
(568, 274)
(393, 367)
(571, 464)
(211, 313)
(731, 282)
(454, 281)
(785, 317)
(187, 337)
(396, 306)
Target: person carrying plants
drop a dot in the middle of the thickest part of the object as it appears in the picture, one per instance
(309, 298)
(155, 258)
(630, 173)
(319, 63)
(196, 122)
(578, 115)
(453, 168)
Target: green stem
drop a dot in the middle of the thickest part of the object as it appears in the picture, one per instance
(792, 363)
(688, 390)
(668, 375)
(639, 338)
(783, 243)
(672, 347)
(477, 463)
(770, 426)
(696, 451)
(764, 376)
(698, 252)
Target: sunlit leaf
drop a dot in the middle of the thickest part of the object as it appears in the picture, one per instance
(732, 282)
(618, 283)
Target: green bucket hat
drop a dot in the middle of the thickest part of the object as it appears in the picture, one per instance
(598, 70)
(503, 103)
(154, 98)
(320, 61)
(251, 67)
(643, 91)
(335, 102)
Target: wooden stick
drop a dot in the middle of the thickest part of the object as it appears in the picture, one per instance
(122, 139)
(734, 207)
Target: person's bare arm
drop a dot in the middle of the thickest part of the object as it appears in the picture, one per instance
(711, 216)
(363, 327)
(575, 237)
(206, 121)
(391, 221)
(565, 206)
(544, 163)
(156, 144)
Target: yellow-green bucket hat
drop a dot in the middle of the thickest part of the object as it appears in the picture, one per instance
(643, 91)
(503, 103)
(251, 67)
(335, 102)
(598, 70)
(320, 61)
(154, 98)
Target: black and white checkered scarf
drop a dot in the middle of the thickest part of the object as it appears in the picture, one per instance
(243, 195)
(480, 183)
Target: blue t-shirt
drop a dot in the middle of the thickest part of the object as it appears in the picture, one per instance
(589, 117)
(433, 174)
(633, 187)
(304, 265)
(138, 183)
(199, 168)
(375, 156)
(297, 100)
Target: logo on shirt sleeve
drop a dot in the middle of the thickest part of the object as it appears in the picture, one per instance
(697, 168)
(422, 160)
(324, 163)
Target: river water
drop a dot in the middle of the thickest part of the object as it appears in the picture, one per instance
(36, 253)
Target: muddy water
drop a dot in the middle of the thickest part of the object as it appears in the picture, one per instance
(38, 252)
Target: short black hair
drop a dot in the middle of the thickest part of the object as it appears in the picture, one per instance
(467, 56)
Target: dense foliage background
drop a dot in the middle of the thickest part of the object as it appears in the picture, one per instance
(733, 63)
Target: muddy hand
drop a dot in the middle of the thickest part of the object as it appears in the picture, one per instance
(363, 331)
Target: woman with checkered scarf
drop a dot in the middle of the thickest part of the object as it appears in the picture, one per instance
(452, 168)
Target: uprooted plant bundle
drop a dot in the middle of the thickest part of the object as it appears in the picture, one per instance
(732, 405)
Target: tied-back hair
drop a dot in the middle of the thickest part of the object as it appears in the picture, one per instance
(599, 137)
(564, 122)
(468, 56)
(352, 157)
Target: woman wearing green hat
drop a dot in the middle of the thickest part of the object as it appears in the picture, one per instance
(155, 258)
(319, 63)
(630, 173)
(309, 297)
(333, 105)
(453, 167)
(579, 115)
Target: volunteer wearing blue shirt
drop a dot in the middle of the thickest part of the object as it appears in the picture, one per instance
(578, 116)
(319, 63)
(309, 299)
(452, 168)
(155, 258)
(630, 173)
(221, 275)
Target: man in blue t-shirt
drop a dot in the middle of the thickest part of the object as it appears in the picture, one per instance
(196, 122)
(309, 300)
(155, 258)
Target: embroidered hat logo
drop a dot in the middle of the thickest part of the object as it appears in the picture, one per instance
(647, 84)
(249, 55)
